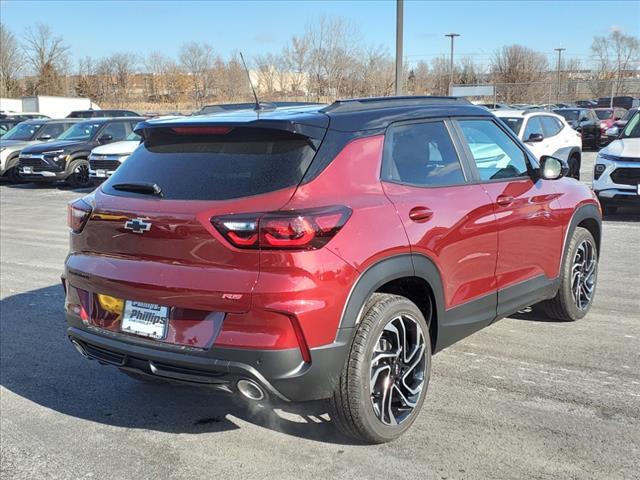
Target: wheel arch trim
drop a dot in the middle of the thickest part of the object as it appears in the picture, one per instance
(387, 270)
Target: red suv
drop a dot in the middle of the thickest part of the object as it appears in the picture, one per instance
(323, 252)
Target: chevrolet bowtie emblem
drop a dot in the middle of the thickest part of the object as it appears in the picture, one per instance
(137, 225)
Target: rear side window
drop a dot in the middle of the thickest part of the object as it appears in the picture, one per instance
(495, 154)
(215, 163)
(421, 154)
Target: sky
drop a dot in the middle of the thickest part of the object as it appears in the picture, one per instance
(100, 28)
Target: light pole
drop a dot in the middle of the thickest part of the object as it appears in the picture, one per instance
(399, 25)
(452, 36)
(559, 50)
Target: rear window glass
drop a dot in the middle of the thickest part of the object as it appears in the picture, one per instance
(239, 163)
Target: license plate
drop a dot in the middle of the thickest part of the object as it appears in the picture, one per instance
(101, 173)
(27, 170)
(146, 319)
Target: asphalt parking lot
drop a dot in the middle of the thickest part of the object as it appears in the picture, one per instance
(524, 398)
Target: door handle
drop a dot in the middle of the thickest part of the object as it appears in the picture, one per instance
(504, 200)
(420, 214)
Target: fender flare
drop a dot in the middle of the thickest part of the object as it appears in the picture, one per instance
(584, 212)
(72, 158)
(12, 161)
(384, 271)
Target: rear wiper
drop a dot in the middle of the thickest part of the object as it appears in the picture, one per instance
(140, 187)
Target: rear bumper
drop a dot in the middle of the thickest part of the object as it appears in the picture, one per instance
(282, 373)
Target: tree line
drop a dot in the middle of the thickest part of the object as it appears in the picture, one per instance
(328, 60)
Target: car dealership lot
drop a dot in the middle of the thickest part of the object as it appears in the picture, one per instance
(525, 398)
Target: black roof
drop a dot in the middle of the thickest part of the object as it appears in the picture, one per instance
(342, 115)
(105, 119)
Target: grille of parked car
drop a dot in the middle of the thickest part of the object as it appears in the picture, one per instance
(104, 164)
(36, 163)
(626, 176)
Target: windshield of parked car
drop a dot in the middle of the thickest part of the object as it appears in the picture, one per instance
(569, 115)
(22, 131)
(632, 129)
(81, 131)
(604, 114)
(514, 123)
(133, 136)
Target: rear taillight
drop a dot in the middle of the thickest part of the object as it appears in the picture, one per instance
(77, 215)
(308, 229)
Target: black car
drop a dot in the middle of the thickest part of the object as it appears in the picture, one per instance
(66, 158)
(586, 103)
(101, 113)
(25, 134)
(585, 121)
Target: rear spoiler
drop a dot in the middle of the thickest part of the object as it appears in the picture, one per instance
(312, 126)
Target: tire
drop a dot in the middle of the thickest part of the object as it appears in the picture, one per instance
(355, 406)
(79, 177)
(13, 174)
(574, 166)
(565, 305)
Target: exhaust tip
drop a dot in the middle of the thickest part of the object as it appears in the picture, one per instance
(79, 347)
(250, 389)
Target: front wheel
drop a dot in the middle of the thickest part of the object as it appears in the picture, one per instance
(79, 177)
(385, 378)
(578, 279)
(14, 176)
(574, 166)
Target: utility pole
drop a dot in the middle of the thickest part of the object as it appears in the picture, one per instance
(559, 50)
(452, 36)
(399, 35)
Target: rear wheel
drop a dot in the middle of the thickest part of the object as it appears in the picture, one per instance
(578, 279)
(384, 382)
(79, 177)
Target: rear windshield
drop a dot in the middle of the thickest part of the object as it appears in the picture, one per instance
(570, 115)
(604, 114)
(227, 164)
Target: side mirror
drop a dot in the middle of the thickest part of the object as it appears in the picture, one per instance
(535, 138)
(105, 138)
(44, 137)
(552, 168)
(612, 132)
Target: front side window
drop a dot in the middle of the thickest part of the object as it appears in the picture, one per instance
(534, 126)
(422, 154)
(117, 130)
(496, 155)
(550, 126)
(632, 128)
(53, 130)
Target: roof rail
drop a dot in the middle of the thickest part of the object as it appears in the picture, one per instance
(358, 104)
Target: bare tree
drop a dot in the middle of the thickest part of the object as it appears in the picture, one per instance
(615, 57)
(123, 68)
(295, 60)
(48, 57)
(520, 68)
(157, 67)
(10, 63)
(198, 60)
(269, 80)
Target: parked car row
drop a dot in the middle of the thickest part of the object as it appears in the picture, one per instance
(45, 150)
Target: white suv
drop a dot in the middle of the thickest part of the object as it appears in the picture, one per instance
(546, 133)
(104, 159)
(616, 175)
